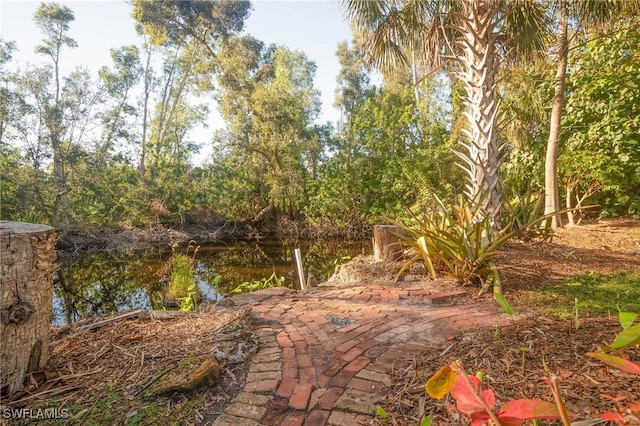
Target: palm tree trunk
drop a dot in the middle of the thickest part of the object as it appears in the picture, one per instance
(479, 66)
(552, 199)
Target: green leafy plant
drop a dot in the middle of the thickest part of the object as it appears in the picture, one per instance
(249, 286)
(31, 216)
(460, 241)
(522, 213)
(183, 287)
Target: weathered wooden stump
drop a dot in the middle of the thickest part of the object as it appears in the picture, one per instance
(386, 245)
(27, 256)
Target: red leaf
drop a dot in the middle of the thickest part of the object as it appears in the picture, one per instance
(613, 398)
(614, 417)
(616, 362)
(529, 409)
(479, 418)
(466, 399)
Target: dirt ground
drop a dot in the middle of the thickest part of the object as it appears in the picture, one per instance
(513, 358)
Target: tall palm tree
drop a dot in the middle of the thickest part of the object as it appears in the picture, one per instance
(476, 37)
(586, 14)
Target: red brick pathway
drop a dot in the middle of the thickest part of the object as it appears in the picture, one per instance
(326, 354)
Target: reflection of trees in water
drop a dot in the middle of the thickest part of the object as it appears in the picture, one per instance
(105, 283)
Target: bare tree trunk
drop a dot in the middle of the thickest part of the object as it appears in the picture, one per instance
(145, 112)
(551, 197)
(27, 255)
(568, 201)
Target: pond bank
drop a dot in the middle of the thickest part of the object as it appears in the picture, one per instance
(86, 240)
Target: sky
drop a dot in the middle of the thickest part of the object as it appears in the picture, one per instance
(314, 27)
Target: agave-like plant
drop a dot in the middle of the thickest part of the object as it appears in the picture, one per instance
(522, 214)
(460, 241)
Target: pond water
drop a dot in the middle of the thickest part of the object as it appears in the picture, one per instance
(106, 283)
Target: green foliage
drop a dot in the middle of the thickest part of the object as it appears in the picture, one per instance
(182, 283)
(390, 154)
(504, 304)
(603, 120)
(600, 293)
(524, 215)
(249, 286)
(380, 412)
(460, 240)
(270, 150)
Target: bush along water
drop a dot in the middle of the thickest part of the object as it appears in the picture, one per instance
(182, 290)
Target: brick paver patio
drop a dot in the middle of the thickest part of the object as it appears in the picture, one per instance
(326, 355)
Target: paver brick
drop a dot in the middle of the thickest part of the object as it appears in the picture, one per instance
(374, 376)
(301, 346)
(352, 354)
(364, 385)
(289, 369)
(329, 398)
(263, 375)
(252, 398)
(284, 341)
(307, 375)
(350, 365)
(304, 360)
(289, 354)
(239, 409)
(341, 418)
(342, 378)
(286, 386)
(300, 397)
(262, 386)
(357, 364)
(294, 419)
(317, 418)
(295, 336)
(258, 367)
(356, 401)
(266, 358)
(268, 351)
(229, 420)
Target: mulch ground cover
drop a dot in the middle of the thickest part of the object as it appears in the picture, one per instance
(517, 360)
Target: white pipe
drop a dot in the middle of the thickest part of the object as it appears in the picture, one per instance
(298, 254)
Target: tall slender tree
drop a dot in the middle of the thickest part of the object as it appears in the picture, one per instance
(476, 37)
(53, 20)
(594, 14)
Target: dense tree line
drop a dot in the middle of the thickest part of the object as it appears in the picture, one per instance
(113, 149)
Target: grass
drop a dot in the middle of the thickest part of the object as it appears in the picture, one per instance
(596, 293)
(114, 408)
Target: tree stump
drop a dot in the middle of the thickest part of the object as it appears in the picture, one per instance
(27, 256)
(386, 245)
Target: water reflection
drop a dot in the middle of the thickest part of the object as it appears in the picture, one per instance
(106, 283)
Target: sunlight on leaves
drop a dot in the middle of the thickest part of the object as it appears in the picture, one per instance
(627, 338)
(616, 362)
(504, 304)
(627, 319)
(441, 383)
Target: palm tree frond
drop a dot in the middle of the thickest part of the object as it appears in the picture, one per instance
(527, 27)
